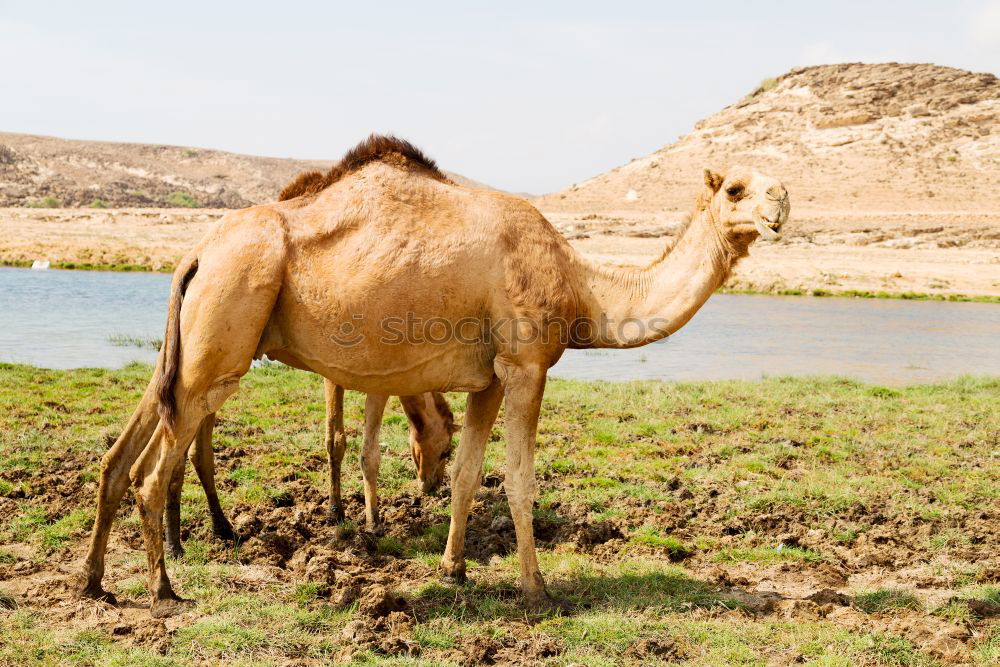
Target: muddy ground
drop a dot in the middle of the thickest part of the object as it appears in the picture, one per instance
(386, 592)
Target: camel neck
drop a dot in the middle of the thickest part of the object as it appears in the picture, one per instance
(633, 307)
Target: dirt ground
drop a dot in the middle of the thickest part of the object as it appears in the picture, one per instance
(896, 253)
(853, 525)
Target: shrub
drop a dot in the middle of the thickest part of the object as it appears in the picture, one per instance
(182, 200)
(98, 203)
(47, 202)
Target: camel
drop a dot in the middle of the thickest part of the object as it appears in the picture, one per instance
(384, 276)
(431, 425)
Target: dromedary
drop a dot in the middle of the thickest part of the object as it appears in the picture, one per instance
(385, 277)
(431, 425)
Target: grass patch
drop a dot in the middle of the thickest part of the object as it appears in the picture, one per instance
(143, 342)
(651, 536)
(767, 555)
(887, 599)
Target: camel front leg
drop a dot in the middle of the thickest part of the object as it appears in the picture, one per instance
(371, 457)
(466, 474)
(524, 388)
(203, 457)
(114, 480)
(336, 445)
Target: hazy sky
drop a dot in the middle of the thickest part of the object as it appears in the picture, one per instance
(526, 96)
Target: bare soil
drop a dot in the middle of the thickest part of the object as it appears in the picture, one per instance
(292, 543)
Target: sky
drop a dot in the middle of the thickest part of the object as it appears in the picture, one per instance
(525, 96)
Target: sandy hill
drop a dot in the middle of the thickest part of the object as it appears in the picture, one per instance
(886, 137)
(70, 173)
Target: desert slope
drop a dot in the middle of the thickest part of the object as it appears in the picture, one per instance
(70, 173)
(850, 137)
(894, 174)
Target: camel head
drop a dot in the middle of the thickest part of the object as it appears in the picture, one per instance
(746, 204)
(431, 426)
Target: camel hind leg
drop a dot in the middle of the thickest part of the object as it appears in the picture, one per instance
(212, 337)
(203, 458)
(114, 480)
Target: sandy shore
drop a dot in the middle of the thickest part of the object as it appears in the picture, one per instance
(833, 251)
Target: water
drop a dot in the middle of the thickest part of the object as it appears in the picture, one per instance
(63, 319)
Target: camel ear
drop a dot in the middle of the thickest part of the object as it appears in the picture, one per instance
(713, 180)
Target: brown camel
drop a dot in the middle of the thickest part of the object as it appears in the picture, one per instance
(431, 425)
(385, 277)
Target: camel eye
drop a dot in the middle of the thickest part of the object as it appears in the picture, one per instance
(735, 191)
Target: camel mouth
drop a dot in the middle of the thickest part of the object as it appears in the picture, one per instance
(767, 228)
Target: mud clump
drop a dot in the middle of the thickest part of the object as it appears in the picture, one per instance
(378, 601)
(660, 649)
(391, 634)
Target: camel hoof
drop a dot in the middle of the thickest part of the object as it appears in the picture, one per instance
(174, 549)
(167, 607)
(224, 532)
(98, 593)
(336, 516)
(454, 577)
(543, 603)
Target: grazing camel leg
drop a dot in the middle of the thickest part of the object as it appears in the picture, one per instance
(371, 456)
(466, 474)
(172, 511)
(524, 388)
(114, 480)
(203, 457)
(336, 445)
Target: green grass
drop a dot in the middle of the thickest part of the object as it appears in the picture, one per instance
(182, 200)
(767, 555)
(690, 473)
(887, 599)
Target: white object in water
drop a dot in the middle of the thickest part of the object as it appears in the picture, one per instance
(40, 265)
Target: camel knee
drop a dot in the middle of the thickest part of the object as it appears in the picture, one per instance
(520, 494)
(219, 392)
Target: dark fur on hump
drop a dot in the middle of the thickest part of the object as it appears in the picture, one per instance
(377, 147)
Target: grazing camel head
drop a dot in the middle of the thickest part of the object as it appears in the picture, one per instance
(431, 426)
(745, 204)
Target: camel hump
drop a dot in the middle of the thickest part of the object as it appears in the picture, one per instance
(376, 148)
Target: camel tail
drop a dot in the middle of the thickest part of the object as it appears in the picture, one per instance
(169, 359)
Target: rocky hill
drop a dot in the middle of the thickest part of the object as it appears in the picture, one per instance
(853, 137)
(54, 173)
